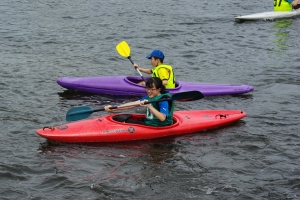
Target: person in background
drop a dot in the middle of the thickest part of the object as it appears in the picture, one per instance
(296, 4)
(159, 113)
(160, 70)
(286, 5)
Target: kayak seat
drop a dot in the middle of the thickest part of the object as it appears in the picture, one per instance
(121, 118)
(127, 118)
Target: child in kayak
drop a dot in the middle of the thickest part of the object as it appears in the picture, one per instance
(286, 5)
(158, 114)
(160, 70)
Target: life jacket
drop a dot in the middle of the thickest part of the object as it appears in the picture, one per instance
(171, 80)
(282, 5)
(151, 120)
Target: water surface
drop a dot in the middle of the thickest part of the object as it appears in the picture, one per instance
(256, 158)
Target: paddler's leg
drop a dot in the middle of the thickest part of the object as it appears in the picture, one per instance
(142, 83)
(135, 121)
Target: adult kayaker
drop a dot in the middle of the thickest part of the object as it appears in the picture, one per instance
(158, 114)
(161, 70)
(286, 5)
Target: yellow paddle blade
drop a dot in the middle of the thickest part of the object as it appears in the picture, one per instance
(123, 49)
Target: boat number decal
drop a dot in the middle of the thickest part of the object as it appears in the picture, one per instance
(62, 127)
(131, 130)
(114, 131)
(207, 116)
(149, 114)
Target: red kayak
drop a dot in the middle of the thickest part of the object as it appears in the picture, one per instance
(112, 128)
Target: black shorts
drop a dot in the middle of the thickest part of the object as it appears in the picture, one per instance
(128, 119)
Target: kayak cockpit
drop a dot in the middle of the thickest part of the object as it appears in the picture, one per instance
(124, 118)
(121, 117)
(135, 80)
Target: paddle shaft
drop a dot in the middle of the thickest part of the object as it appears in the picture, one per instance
(135, 104)
(183, 96)
(115, 107)
(82, 112)
(137, 69)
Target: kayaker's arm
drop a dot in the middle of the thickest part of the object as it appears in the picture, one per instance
(125, 106)
(295, 2)
(147, 71)
(156, 113)
(164, 75)
(165, 82)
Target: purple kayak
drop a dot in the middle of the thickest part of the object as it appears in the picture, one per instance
(128, 85)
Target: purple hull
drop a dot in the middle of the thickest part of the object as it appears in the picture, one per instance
(127, 85)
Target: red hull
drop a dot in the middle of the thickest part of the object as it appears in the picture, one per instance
(106, 129)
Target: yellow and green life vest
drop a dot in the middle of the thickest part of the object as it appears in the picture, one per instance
(282, 5)
(171, 80)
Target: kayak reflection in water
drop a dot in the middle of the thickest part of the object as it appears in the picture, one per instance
(159, 113)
